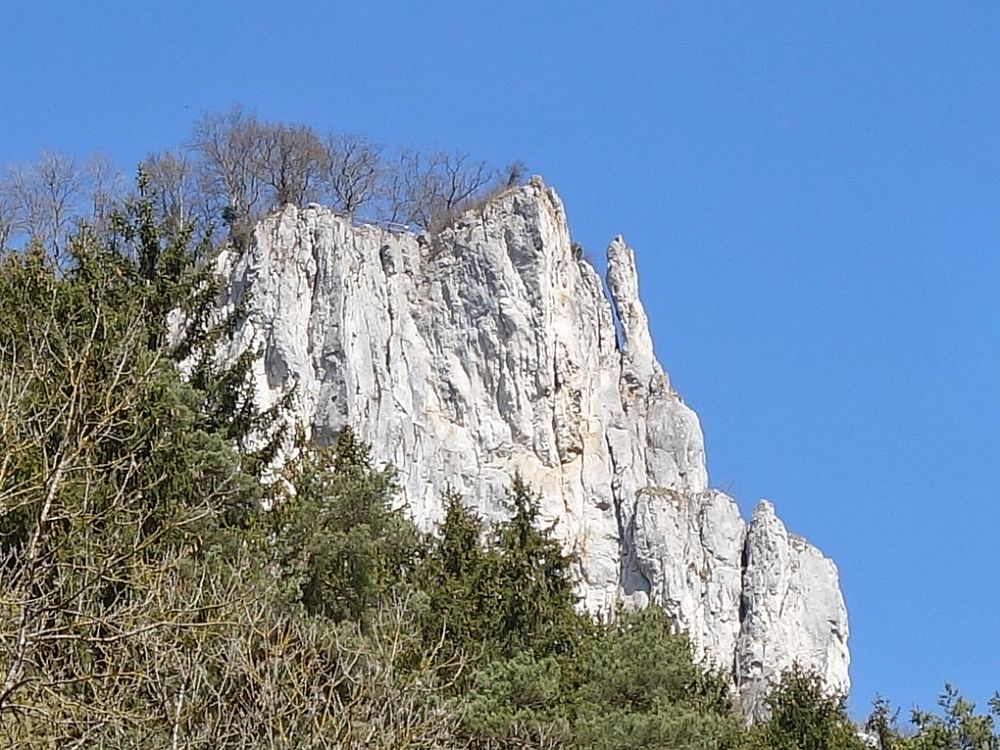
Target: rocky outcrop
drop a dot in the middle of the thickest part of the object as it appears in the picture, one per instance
(790, 608)
(492, 347)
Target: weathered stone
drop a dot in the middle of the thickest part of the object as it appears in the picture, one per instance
(491, 348)
(793, 611)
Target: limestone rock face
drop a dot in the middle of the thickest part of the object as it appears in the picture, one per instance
(492, 347)
(789, 609)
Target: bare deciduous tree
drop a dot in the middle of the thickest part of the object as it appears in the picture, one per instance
(8, 217)
(95, 566)
(460, 179)
(56, 181)
(105, 187)
(43, 196)
(174, 185)
(28, 203)
(354, 173)
(291, 160)
(393, 193)
(514, 173)
(45, 201)
(436, 188)
(286, 682)
(230, 175)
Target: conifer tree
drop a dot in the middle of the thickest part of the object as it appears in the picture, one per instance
(456, 577)
(535, 599)
(342, 547)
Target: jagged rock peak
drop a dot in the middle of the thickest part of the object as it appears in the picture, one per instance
(491, 347)
(637, 343)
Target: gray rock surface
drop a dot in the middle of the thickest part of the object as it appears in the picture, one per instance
(492, 347)
(790, 608)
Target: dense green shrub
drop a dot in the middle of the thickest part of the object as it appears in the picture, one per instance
(632, 683)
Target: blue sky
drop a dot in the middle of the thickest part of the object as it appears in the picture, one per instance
(813, 194)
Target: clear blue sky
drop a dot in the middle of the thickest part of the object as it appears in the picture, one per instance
(813, 193)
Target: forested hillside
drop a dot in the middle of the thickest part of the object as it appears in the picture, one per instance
(160, 587)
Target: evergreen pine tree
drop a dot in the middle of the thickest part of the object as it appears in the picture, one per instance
(535, 600)
(341, 545)
(456, 579)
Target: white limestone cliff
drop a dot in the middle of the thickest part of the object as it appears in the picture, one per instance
(492, 347)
